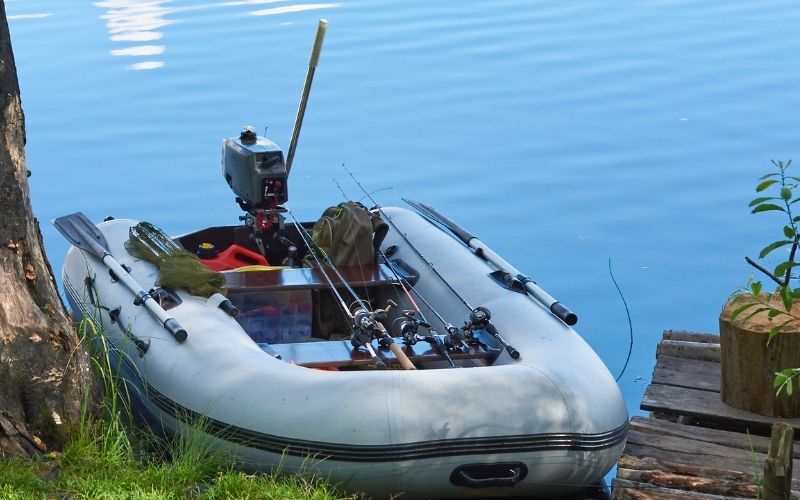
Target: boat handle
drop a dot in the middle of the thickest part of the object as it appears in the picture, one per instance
(489, 475)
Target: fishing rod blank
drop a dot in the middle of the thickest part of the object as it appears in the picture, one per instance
(356, 339)
(511, 351)
(308, 243)
(558, 309)
(358, 320)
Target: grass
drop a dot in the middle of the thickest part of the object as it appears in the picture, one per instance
(106, 460)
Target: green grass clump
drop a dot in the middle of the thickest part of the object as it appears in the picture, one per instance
(106, 459)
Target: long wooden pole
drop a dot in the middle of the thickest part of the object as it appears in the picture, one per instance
(301, 110)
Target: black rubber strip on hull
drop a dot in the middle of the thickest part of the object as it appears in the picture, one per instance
(279, 445)
(394, 452)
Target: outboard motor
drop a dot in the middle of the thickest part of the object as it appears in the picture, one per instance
(257, 173)
(255, 170)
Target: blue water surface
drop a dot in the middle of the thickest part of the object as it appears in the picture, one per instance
(563, 134)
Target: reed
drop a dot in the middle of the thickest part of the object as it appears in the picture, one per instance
(108, 458)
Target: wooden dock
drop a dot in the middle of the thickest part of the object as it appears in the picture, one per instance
(693, 445)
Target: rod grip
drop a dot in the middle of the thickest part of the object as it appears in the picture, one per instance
(563, 313)
(401, 356)
(322, 27)
(175, 328)
(493, 332)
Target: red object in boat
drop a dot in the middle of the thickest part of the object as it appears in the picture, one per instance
(232, 257)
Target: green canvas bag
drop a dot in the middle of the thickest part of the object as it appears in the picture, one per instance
(349, 234)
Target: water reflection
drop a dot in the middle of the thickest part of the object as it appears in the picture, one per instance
(138, 23)
(29, 16)
(294, 8)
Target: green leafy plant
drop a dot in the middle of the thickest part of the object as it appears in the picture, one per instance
(783, 380)
(776, 194)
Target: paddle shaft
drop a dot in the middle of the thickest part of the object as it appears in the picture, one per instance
(122, 275)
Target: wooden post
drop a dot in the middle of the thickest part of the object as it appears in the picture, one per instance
(777, 481)
(748, 363)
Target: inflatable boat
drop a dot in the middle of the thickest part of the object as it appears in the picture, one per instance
(387, 350)
(530, 410)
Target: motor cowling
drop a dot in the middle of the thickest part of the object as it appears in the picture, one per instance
(255, 170)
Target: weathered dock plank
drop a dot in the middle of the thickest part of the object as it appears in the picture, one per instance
(624, 489)
(691, 452)
(689, 350)
(711, 338)
(706, 406)
(721, 455)
(759, 444)
(710, 486)
(690, 373)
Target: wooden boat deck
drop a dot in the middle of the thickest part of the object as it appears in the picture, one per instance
(340, 353)
(693, 445)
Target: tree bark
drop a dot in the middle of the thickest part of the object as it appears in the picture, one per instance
(44, 369)
(748, 364)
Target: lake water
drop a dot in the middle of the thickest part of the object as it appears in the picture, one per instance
(563, 134)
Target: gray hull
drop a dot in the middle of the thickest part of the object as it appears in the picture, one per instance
(556, 411)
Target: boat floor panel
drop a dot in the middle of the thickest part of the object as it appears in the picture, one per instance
(340, 353)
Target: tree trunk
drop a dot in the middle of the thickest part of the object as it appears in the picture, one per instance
(749, 364)
(44, 369)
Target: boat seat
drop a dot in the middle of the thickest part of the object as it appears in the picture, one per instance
(340, 353)
(302, 278)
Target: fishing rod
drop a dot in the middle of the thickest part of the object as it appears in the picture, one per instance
(356, 340)
(358, 312)
(454, 337)
(371, 322)
(510, 274)
(409, 329)
(493, 331)
(409, 323)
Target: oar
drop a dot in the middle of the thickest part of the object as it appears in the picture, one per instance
(82, 233)
(557, 308)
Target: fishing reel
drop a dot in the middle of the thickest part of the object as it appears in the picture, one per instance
(363, 324)
(478, 320)
(408, 326)
(360, 338)
(479, 317)
(369, 324)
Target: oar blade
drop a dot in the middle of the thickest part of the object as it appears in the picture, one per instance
(81, 232)
(435, 216)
